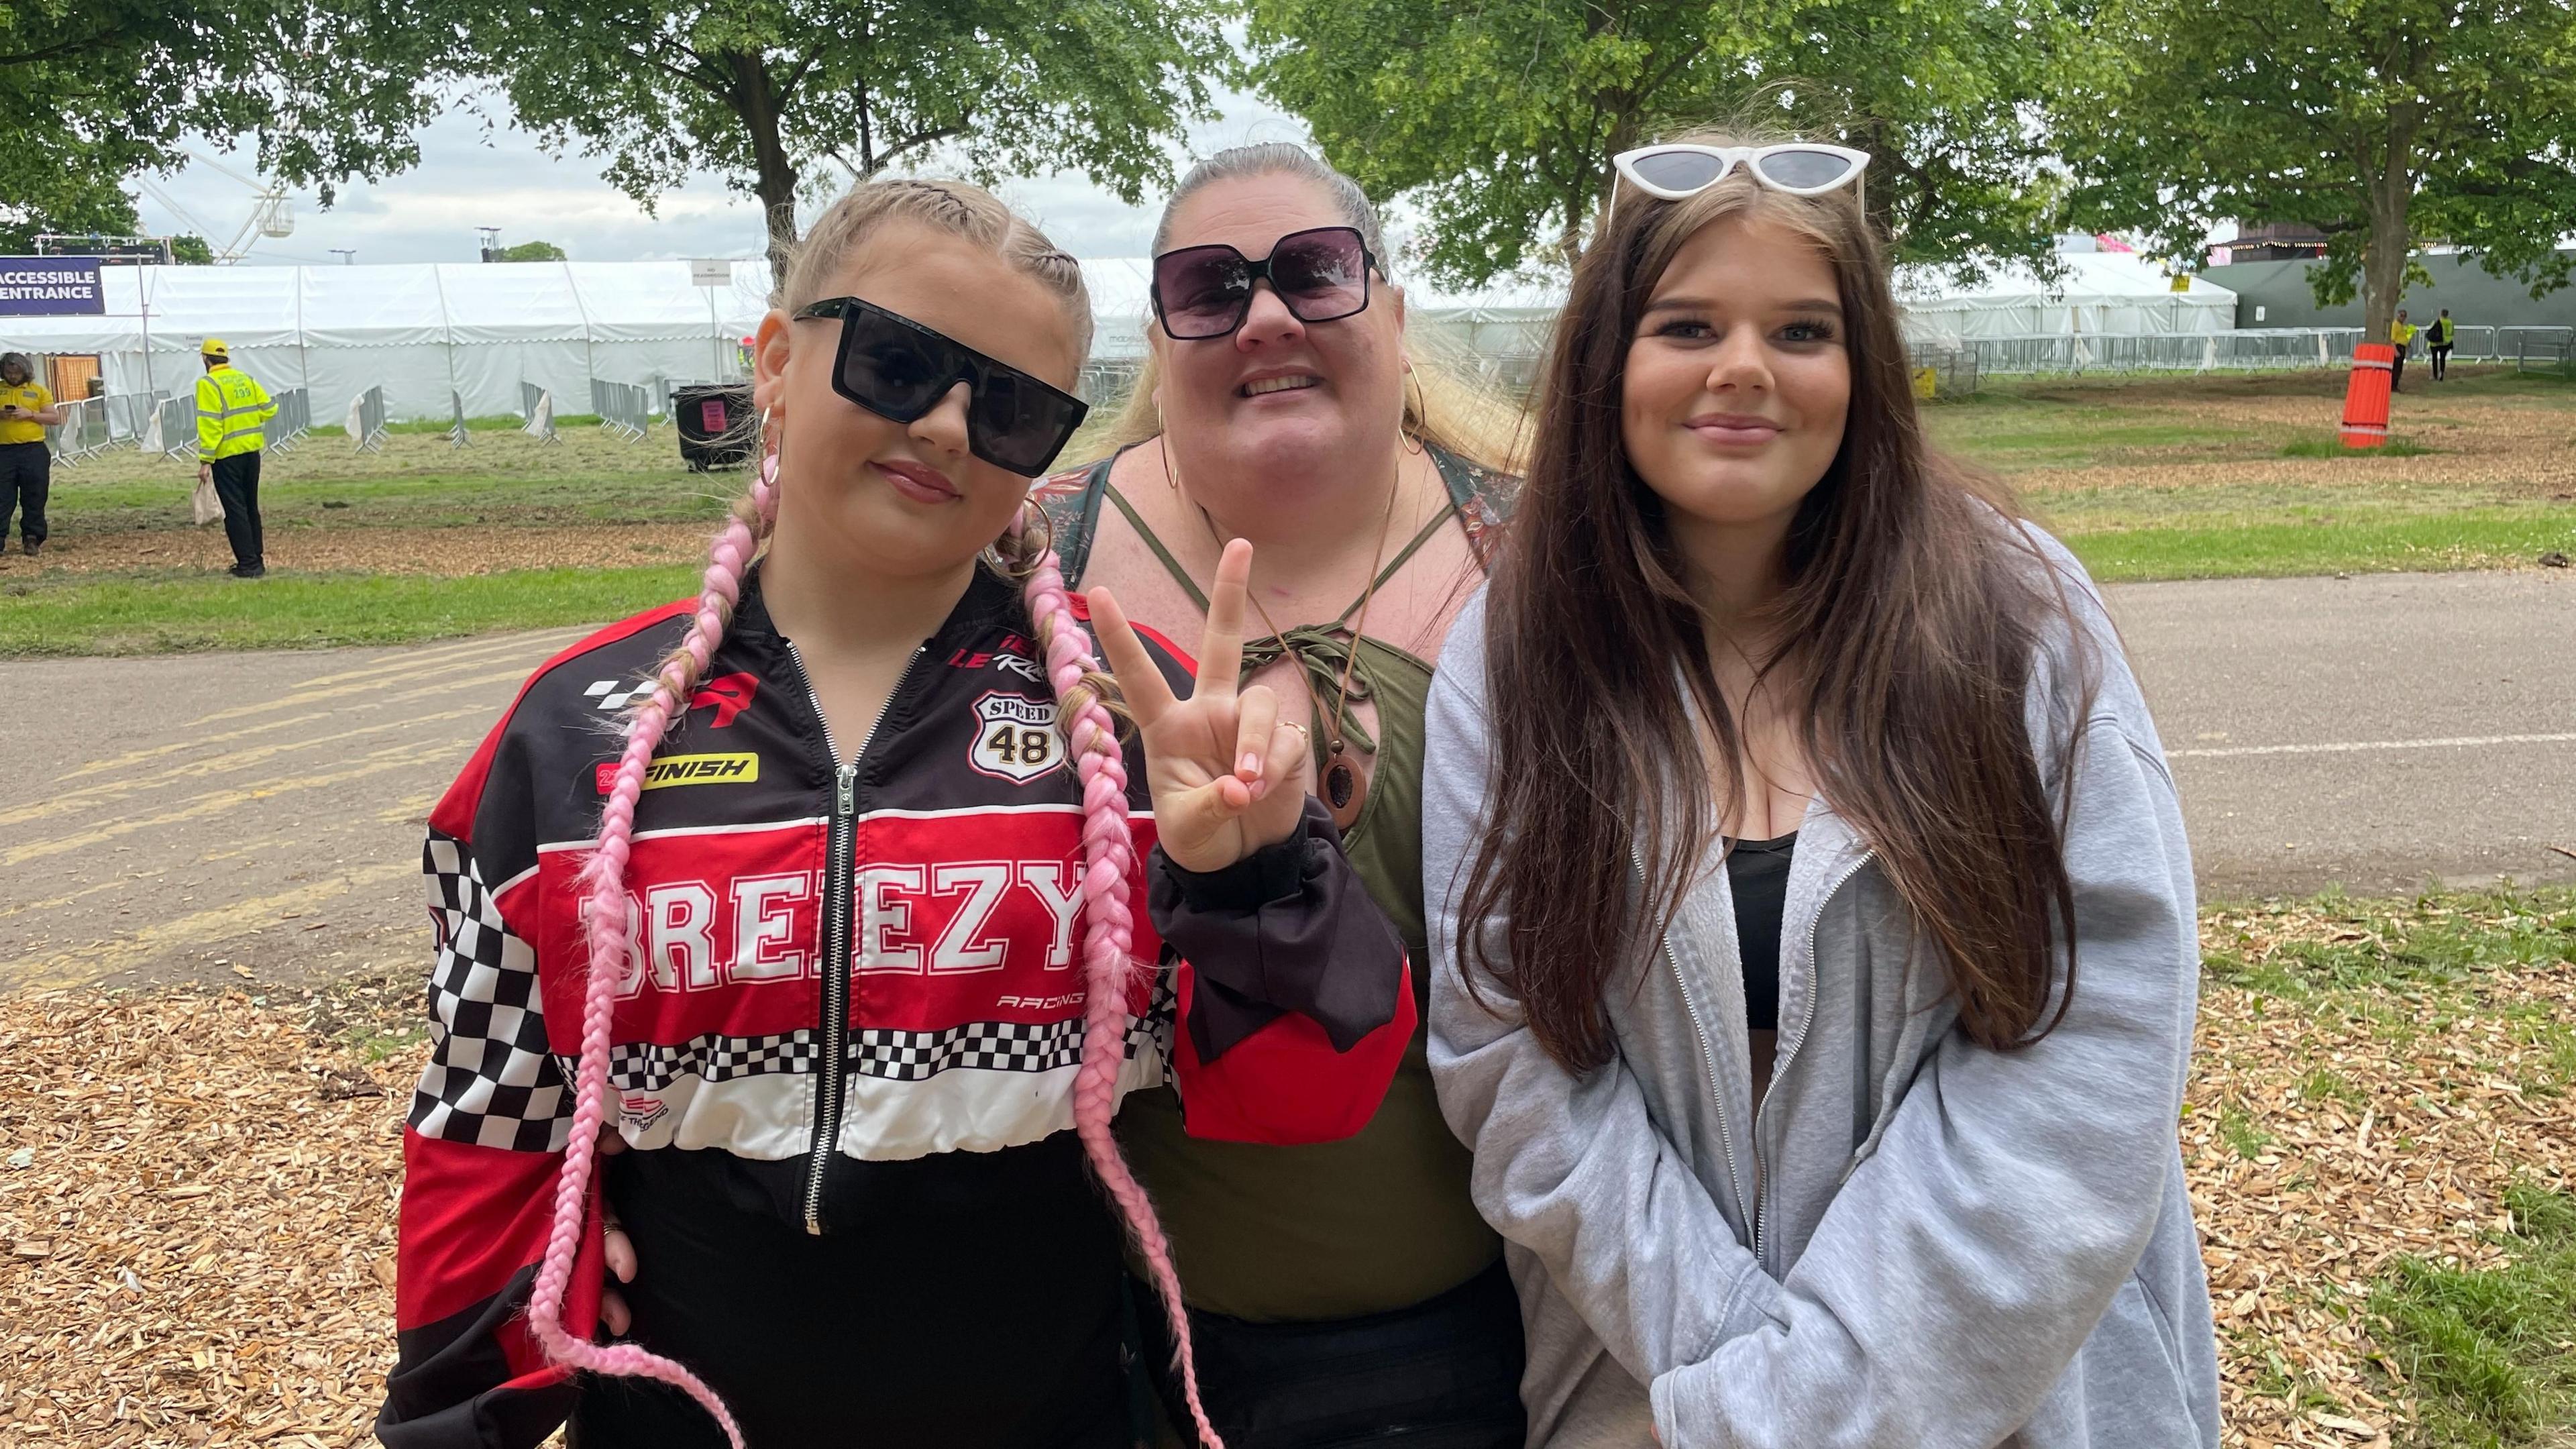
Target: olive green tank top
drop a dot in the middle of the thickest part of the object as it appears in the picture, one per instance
(1378, 1221)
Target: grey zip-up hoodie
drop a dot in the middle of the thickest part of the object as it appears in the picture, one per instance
(1919, 1242)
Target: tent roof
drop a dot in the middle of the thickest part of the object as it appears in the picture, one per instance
(2090, 277)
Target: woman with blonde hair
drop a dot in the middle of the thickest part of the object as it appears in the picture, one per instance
(826, 896)
(1339, 1293)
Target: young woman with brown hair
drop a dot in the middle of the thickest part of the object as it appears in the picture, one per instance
(1814, 945)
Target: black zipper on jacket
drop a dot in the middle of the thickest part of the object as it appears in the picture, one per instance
(830, 1070)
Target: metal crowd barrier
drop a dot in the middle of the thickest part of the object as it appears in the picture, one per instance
(130, 414)
(82, 432)
(623, 408)
(538, 406)
(2536, 349)
(367, 421)
(2539, 349)
(173, 429)
(2079, 352)
(290, 423)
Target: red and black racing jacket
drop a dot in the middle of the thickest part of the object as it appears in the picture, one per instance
(941, 863)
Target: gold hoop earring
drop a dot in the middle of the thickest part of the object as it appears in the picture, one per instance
(1171, 475)
(1034, 511)
(1421, 417)
(1000, 563)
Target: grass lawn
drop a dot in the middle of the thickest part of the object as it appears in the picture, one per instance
(2145, 477)
(175, 613)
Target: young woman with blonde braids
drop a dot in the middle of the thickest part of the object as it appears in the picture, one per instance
(825, 895)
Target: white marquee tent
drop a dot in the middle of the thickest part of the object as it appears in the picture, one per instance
(423, 332)
(1504, 319)
(2102, 293)
(419, 332)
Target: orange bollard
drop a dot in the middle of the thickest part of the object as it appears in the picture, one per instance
(2365, 397)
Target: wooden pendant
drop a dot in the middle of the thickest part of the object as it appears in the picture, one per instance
(1345, 790)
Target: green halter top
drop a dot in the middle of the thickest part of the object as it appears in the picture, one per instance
(1382, 1220)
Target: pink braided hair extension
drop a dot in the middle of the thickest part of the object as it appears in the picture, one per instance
(1108, 944)
(605, 875)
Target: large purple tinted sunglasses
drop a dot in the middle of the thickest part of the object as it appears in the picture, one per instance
(1206, 291)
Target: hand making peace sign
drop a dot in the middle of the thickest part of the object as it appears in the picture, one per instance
(1228, 776)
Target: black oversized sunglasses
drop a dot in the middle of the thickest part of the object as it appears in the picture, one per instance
(897, 368)
(1206, 291)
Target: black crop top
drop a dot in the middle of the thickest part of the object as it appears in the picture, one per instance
(1758, 872)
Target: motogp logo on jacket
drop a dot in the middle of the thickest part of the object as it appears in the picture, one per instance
(1015, 738)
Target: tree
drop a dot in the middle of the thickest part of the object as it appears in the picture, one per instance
(54, 182)
(191, 251)
(531, 251)
(1500, 118)
(102, 89)
(2381, 123)
(764, 90)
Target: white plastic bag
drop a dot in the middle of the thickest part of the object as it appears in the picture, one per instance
(203, 505)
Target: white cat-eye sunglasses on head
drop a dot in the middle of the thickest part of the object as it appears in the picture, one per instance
(1800, 168)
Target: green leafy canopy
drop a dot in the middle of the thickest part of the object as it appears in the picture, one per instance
(2382, 123)
(1498, 118)
(102, 89)
(765, 91)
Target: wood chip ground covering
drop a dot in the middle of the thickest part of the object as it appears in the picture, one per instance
(197, 1197)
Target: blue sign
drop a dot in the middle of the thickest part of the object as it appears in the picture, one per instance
(50, 287)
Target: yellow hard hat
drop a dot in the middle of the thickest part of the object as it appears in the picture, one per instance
(214, 347)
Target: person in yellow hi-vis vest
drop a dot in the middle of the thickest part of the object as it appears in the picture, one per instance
(2401, 336)
(231, 409)
(26, 465)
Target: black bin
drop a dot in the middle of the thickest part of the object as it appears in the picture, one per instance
(715, 424)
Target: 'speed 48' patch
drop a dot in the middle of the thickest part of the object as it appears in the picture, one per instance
(1015, 737)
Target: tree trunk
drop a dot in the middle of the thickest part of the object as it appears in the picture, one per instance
(756, 101)
(2383, 255)
(1589, 189)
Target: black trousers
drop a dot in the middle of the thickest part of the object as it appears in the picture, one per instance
(2441, 363)
(936, 1321)
(1440, 1375)
(2397, 375)
(237, 484)
(26, 477)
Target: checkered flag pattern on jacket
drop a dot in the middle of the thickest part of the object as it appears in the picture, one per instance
(610, 696)
(490, 1079)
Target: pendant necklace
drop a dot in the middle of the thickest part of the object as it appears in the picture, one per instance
(1344, 788)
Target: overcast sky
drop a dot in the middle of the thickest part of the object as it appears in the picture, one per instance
(467, 179)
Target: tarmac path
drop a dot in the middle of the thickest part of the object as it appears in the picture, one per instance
(256, 818)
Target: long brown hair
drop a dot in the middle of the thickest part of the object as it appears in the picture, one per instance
(1911, 617)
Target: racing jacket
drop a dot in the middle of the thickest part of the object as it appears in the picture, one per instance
(940, 858)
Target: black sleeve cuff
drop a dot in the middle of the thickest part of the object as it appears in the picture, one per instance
(1271, 873)
(1290, 928)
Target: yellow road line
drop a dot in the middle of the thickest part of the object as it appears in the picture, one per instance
(219, 764)
(411, 808)
(413, 660)
(82, 965)
(120, 883)
(154, 752)
(214, 803)
(342, 691)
